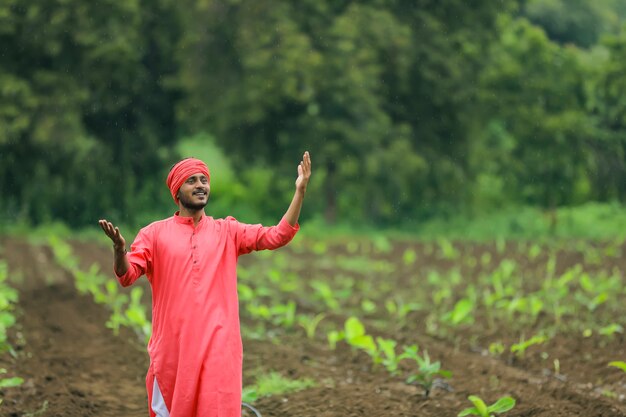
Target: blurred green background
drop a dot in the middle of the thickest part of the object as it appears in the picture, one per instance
(502, 117)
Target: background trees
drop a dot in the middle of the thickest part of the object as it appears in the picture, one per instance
(410, 109)
(86, 105)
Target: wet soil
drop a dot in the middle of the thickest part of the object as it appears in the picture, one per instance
(74, 366)
(71, 363)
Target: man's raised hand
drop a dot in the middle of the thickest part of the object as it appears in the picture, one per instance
(119, 243)
(304, 172)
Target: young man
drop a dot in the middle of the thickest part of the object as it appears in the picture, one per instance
(190, 261)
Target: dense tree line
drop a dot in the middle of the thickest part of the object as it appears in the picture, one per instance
(410, 108)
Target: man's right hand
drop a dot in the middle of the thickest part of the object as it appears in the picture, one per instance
(121, 263)
(119, 243)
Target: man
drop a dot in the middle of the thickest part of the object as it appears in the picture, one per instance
(190, 261)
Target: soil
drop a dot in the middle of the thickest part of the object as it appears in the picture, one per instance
(73, 365)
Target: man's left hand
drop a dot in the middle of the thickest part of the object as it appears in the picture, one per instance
(304, 173)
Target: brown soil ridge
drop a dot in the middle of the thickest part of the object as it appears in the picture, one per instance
(73, 366)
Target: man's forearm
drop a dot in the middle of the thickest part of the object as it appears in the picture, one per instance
(120, 262)
(293, 212)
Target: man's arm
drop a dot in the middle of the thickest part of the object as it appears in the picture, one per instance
(304, 173)
(120, 262)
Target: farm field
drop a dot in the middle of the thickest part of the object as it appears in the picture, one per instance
(352, 320)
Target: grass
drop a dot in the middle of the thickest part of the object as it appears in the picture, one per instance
(592, 221)
(595, 221)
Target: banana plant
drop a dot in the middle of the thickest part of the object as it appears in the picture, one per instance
(426, 372)
(381, 350)
(401, 309)
(326, 294)
(8, 299)
(519, 349)
(534, 252)
(529, 307)
(389, 358)
(284, 314)
(356, 337)
(136, 315)
(502, 279)
(461, 313)
(596, 291)
(354, 334)
(481, 409)
(447, 249)
(10, 382)
(611, 329)
(309, 324)
(496, 349)
(409, 257)
(618, 364)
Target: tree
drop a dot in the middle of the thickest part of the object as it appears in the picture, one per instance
(381, 92)
(580, 22)
(534, 90)
(608, 106)
(86, 105)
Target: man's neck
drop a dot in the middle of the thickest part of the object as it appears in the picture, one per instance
(196, 214)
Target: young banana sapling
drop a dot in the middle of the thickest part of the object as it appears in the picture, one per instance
(481, 409)
(426, 373)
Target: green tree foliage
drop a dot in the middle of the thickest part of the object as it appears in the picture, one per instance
(580, 22)
(379, 91)
(608, 107)
(85, 105)
(410, 108)
(535, 141)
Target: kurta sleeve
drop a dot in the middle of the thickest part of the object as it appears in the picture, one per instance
(139, 257)
(251, 237)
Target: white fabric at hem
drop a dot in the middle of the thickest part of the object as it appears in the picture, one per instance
(158, 403)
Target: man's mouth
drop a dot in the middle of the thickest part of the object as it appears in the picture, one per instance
(200, 193)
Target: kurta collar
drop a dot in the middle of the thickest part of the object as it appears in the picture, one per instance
(188, 220)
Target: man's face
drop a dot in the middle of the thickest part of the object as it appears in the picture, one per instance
(194, 193)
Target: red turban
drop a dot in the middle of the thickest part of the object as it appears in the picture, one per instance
(183, 170)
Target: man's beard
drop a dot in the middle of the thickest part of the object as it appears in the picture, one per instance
(189, 205)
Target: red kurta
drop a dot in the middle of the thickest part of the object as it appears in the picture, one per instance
(195, 349)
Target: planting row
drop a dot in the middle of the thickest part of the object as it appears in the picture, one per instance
(523, 293)
(8, 301)
(290, 292)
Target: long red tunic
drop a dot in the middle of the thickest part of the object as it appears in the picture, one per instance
(195, 349)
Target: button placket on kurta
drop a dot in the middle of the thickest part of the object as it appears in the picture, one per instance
(195, 259)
